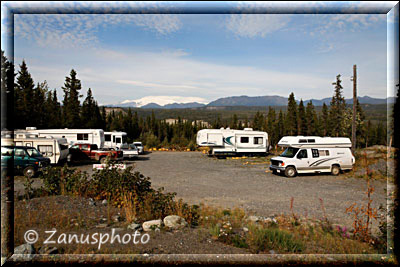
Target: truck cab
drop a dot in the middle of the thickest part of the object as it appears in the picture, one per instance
(27, 160)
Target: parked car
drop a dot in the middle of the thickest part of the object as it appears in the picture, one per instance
(90, 152)
(130, 151)
(27, 160)
(139, 146)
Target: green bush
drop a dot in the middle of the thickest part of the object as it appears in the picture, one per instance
(64, 180)
(261, 239)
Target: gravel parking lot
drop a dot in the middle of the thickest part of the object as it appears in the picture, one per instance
(197, 178)
(230, 183)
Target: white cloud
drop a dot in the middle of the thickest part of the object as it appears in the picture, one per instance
(141, 74)
(256, 25)
(80, 30)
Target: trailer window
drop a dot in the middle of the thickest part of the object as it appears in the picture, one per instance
(107, 137)
(315, 153)
(311, 140)
(303, 141)
(82, 136)
(258, 140)
(46, 150)
(244, 140)
(118, 140)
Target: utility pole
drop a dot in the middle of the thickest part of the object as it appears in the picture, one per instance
(353, 128)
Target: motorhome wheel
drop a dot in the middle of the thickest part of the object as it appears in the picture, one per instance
(335, 170)
(290, 172)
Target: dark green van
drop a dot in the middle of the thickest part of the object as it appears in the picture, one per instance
(27, 160)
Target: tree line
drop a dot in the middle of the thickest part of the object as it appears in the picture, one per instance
(36, 105)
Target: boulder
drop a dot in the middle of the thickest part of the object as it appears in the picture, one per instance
(253, 218)
(151, 225)
(175, 222)
(134, 226)
(25, 249)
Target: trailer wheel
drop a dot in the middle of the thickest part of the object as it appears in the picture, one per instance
(335, 170)
(29, 172)
(290, 172)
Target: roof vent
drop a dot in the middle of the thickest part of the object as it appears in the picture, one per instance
(31, 128)
(248, 129)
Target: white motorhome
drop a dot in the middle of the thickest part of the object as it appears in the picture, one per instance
(73, 136)
(313, 154)
(56, 149)
(230, 142)
(114, 139)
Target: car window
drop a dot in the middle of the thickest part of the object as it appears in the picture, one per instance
(6, 151)
(20, 152)
(302, 154)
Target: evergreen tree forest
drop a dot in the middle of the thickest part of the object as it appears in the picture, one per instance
(36, 105)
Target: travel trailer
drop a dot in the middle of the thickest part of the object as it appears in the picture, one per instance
(114, 139)
(56, 149)
(230, 142)
(313, 154)
(73, 136)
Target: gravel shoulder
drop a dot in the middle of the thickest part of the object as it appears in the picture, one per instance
(197, 178)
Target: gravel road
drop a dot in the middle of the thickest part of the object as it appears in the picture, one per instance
(230, 183)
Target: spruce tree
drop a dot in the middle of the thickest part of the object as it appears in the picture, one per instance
(9, 117)
(291, 116)
(271, 128)
(301, 119)
(337, 113)
(324, 120)
(71, 103)
(311, 119)
(24, 97)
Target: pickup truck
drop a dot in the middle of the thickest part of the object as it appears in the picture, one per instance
(90, 152)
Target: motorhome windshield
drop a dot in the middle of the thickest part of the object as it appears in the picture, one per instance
(290, 152)
(32, 152)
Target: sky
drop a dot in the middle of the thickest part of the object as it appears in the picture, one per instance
(166, 58)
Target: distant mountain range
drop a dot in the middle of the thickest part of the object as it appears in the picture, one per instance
(253, 101)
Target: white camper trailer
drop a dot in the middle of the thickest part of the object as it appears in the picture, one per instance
(73, 136)
(229, 142)
(313, 154)
(56, 149)
(114, 139)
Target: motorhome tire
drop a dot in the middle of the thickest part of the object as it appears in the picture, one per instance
(290, 172)
(29, 172)
(335, 170)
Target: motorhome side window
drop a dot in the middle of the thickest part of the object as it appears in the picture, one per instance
(82, 136)
(258, 140)
(107, 137)
(244, 139)
(118, 140)
(323, 152)
(315, 153)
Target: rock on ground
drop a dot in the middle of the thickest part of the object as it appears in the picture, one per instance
(24, 249)
(150, 225)
(175, 222)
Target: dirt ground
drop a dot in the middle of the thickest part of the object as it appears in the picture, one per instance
(245, 183)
